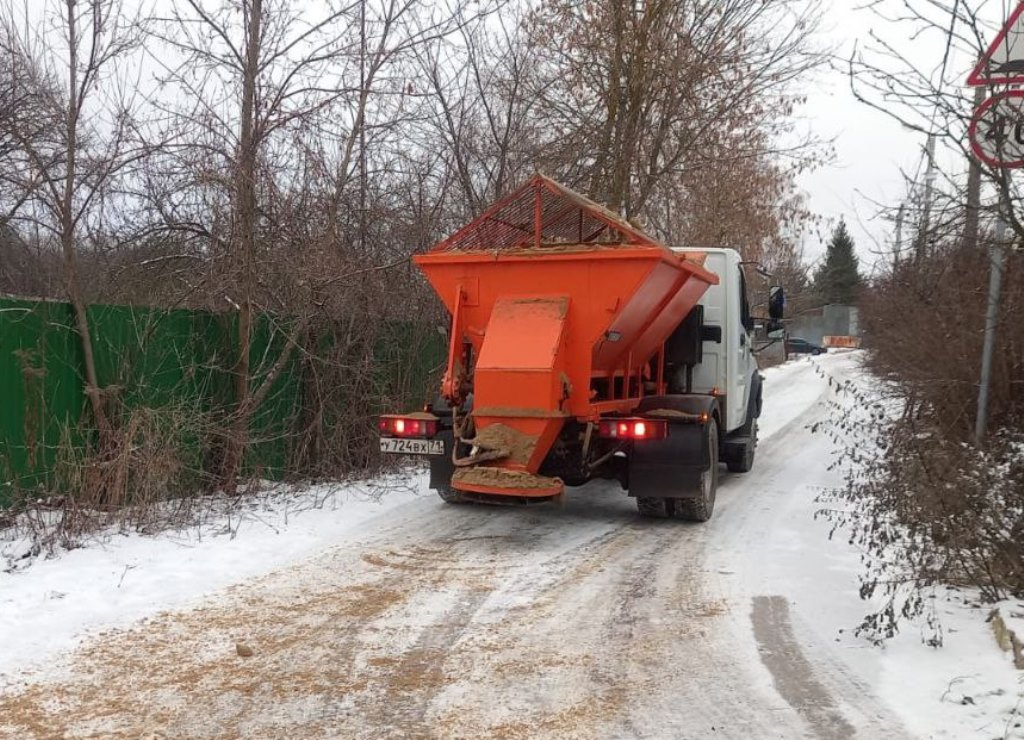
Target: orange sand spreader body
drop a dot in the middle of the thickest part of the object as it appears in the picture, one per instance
(558, 307)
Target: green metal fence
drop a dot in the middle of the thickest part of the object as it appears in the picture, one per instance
(155, 359)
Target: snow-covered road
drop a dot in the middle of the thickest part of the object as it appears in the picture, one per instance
(579, 620)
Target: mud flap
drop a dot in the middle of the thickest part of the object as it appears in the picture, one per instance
(670, 467)
(441, 467)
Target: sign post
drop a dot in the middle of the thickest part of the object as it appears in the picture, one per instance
(997, 138)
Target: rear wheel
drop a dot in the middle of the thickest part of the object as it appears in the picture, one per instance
(451, 496)
(701, 507)
(654, 508)
(741, 460)
(441, 466)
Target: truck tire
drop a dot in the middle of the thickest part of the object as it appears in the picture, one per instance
(442, 469)
(654, 508)
(451, 496)
(702, 506)
(741, 460)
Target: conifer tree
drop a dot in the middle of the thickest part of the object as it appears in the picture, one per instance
(837, 279)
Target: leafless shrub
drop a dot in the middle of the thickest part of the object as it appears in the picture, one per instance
(926, 511)
(146, 482)
(924, 501)
(924, 323)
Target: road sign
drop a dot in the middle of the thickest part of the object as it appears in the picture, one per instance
(997, 131)
(1003, 63)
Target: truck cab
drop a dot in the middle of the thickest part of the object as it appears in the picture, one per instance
(728, 367)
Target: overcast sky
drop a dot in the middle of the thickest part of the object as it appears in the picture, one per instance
(870, 147)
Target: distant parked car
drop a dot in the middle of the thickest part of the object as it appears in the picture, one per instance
(797, 346)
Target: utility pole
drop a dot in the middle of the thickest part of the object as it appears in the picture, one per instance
(899, 233)
(926, 206)
(995, 280)
(997, 261)
(987, 116)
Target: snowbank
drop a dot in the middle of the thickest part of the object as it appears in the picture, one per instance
(116, 580)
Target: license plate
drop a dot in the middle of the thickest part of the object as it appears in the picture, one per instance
(412, 446)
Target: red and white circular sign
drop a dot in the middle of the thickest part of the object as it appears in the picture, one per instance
(997, 130)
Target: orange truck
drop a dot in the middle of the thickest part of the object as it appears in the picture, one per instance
(581, 347)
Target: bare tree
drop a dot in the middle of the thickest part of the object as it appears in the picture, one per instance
(74, 80)
(22, 115)
(646, 92)
(932, 99)
(485, 97)
(25, 116)
(284, 104)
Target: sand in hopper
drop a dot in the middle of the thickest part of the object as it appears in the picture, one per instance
(674, 414)
(481, 475)
(520, 447)
(503, 437)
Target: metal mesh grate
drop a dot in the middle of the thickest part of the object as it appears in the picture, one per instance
(543, 214)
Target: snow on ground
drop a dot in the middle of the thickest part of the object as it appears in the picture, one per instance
(767, 545)
(1012, 613)
(966, 689)
(115, 580)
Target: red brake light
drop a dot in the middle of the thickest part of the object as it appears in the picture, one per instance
(633, 429)
(399, 426)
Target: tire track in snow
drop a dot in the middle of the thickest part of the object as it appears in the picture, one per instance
(769, 494)
(793, 675)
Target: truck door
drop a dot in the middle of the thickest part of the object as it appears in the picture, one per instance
(745, 362)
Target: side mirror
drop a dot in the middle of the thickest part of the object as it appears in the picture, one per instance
(776, 302)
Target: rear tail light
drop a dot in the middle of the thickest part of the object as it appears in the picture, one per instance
(633, 429)
(405, 426)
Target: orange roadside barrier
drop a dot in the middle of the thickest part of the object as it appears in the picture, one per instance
(842, 342)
